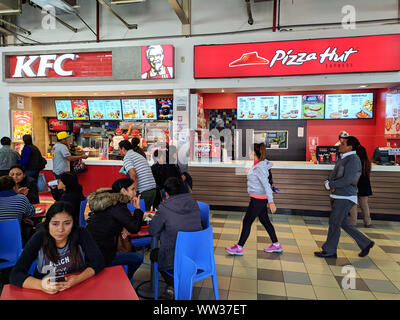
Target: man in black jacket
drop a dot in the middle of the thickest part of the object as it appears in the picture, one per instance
(342, 183)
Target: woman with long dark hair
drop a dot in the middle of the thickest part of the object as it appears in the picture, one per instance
(364, 189)
(69, 190)
(60, 248)
(260, 192)
(26, 185)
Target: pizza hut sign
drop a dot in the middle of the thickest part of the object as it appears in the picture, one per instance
(300, 57)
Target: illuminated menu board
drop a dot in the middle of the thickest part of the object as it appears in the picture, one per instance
(139, 109)
(313, 106)
(258, 108)
(290, 107)
(105, 109)
(349, 106)
(80, 109)
(64, 110)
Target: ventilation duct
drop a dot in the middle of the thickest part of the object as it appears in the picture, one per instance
(10, 7)
(62, 7)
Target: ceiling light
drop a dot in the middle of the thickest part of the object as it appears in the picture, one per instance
(222, 90)
(363, 86)
(150, 91)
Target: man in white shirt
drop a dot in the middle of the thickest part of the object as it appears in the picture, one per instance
(342, 183)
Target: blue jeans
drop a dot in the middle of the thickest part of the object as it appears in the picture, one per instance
(132, 259)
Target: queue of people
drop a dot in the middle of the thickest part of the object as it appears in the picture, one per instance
(62, 247)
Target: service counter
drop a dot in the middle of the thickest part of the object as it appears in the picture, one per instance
(301, 184)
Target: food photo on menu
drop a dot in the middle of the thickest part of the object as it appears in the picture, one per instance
(392, 118)
(313, 106)
(290, 107)
(130, 109)
(96, 110)
(64, 109)
(349, 106)
(112, 109)
(80, 109)
(147, 109)
(258, 108)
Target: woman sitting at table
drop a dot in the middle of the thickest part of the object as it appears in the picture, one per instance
(110, 219)
(69, 190)
(25, 185)
(180, 212)
(60, 248)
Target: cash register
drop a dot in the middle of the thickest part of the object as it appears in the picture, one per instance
(381, 156)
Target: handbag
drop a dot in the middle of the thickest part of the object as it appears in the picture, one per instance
(124, 245)
(79, 166)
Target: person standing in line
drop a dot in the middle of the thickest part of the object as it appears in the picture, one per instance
(8, 156)
(260, 193)
(342, 183)
(62, 155)
(364, 189)
(32, 159)
(140, 172)
(342, 135)
(136, 147)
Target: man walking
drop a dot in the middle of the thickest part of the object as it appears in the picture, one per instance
(342, 183)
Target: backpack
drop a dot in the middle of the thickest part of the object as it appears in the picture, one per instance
(42, 163)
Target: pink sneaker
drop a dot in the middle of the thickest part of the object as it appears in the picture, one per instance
(274, 248)
(234, 250)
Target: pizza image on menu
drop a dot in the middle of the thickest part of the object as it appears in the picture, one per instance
(313, 106)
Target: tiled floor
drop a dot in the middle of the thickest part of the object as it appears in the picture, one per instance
(297, 273)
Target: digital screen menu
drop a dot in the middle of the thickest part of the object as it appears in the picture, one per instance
(64, 110)
(80, 109)
(105, 109)
(290, 107)
(139, 109)
(258, 108)
(313, 106)
(164, 108)
(349, 106)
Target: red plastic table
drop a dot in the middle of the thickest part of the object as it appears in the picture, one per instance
(110, 284)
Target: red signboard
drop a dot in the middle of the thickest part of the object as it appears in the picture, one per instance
(57, 125)
(84, 64)
(299, 57)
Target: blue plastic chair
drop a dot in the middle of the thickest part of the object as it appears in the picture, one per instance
(32, 268)
(202, 257)
(82, 221)
(10, 243)
(204, 214)
(140, 242)
(186, 279)
(41, 183)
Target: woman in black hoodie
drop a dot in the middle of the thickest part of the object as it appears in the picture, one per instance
(110, 217)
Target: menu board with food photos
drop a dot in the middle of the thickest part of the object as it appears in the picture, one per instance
(80, 110)
(139, 109)
(392, 118)
(164, 109)
(258, 108)
(64, 109)
(105, 109)
(290, 107)
(349, 106)
(313, 106)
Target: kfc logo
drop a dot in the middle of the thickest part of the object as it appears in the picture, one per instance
(158, 62)
(25, 65)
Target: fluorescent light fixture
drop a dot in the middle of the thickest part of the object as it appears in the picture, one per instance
(363, 86)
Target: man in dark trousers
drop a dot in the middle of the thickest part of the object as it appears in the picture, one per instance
(342, 182)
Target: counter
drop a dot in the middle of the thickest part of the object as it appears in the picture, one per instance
(300, 183)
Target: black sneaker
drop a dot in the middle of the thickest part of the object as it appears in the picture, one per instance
(365, 251)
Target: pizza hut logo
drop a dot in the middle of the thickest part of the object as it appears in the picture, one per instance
(289, 58)
(25, 65)
(251, 58)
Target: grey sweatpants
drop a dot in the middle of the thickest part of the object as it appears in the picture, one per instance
(339, 219)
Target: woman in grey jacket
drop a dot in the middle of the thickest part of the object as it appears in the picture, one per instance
(260, 193)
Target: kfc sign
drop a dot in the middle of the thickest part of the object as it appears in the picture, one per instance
(157, 62)
(85, 64)
(300, 57)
